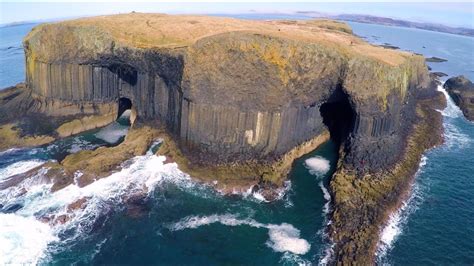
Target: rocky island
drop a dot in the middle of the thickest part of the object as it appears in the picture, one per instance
(236, 102)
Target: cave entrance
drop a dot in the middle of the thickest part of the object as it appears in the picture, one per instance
(124, 109)
(339, 116)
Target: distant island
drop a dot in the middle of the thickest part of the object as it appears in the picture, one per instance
(393, 22)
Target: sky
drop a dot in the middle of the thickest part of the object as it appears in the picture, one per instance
(448, 13)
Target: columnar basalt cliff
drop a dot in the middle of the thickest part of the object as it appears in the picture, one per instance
(241, 99)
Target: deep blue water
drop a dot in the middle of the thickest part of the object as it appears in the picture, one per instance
(12, 60)
(173, 220)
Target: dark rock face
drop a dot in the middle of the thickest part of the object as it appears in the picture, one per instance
(461, 91)
(236, 97)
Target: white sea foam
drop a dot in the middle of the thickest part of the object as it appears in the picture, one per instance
(453, 135)
(397, 220)
(317, 165)
(141, 174)
(451, 110)
(328, 253)
(285, 237)
(328, 248)
(282, 238)
(257, 196)
(23, 240)
(289, 258)
(9, 151)
(327, 197)
(19, 168)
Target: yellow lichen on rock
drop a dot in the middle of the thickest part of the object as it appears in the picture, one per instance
(85, 123)
(10, 138)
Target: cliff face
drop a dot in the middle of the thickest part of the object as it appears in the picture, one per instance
(232, 90)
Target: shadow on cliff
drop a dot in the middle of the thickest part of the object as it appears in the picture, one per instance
(338, 115)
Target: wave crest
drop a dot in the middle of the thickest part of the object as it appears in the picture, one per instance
(282, 238)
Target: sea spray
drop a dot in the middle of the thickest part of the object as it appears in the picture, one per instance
(280, 193)
(454, 138)
(397, 220)
(451, 110)
(50, 216)
(23, 240)
(19, 168)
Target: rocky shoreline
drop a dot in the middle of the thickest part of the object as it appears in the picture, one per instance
(363, 205)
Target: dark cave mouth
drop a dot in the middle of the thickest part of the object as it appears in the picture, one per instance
(125, 73)
(124, 104)
(339, 116)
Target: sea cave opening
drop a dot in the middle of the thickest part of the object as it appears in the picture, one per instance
(339, 116)
(124, 110)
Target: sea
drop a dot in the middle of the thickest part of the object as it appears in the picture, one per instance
(176, 220)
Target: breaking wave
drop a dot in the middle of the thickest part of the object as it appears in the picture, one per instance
(282, 238)
(42, 217)
(23, 240)
(281, 194)
(397, 220)
(453, 136)
(451, 109)
(19, 168)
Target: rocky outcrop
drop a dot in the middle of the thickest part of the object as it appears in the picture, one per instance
(461, 91)
(242, 99)
(30, 119)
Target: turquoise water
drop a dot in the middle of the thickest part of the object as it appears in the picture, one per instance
(152, 213)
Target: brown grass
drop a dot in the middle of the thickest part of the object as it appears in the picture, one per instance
(171, 31)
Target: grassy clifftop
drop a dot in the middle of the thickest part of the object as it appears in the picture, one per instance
(141, 30)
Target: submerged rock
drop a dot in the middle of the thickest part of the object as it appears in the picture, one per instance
(461, 90)
(439, 74)
(435, 59)
(389, 46)
(78, 204)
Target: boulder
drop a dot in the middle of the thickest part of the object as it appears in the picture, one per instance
(461, 90)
